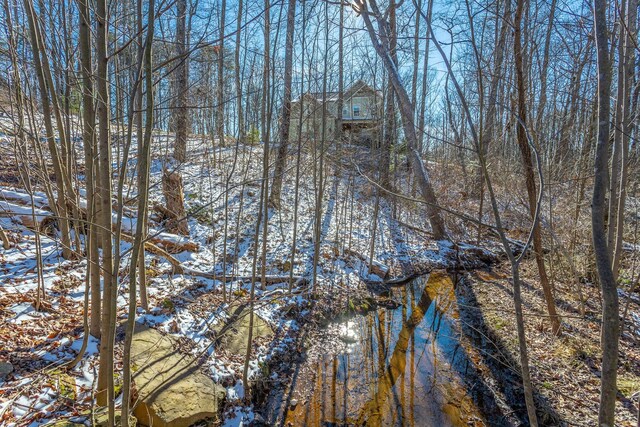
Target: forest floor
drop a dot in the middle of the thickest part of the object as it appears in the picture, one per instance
(189, 307)
(565, 369)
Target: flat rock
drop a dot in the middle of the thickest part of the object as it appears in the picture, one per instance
(232, 336)
(101, 418)
(64, 423)
(171, 390)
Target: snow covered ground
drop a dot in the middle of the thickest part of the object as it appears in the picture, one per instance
(188, 306)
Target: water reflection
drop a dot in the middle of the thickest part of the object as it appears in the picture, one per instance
(401, 367)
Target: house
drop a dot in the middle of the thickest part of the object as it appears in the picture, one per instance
(361, 115)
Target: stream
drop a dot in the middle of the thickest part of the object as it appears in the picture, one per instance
(402, 366)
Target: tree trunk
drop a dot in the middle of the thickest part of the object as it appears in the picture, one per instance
(240, 111)
(105, 390)
(172, 186)
(616, 158)
(143, 202)
(423, 97)
(89, 140)
(59, 205)
(610, 328)
(407, 114)
(525, 151)
(220, 86)
(283, 148)
(180, 84)
(627, 125)
(390, 114)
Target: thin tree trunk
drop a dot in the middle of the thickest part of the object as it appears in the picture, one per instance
(339, 133)
(627, 126)
(610, 328)
(60, 204)
(616, 158)
(406, 111)
(296, 195)
(89, 141)
(241, 125)
(172, 185)
(105, 391)
(143, 202)
(525, 152)
(390, 113)
(319, 193)
(263, 192)
(283, 147)
(220, 86)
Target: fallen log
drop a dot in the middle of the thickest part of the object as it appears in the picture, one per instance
(42, 224)
(414, 228)
(375, 267)
(154, 249)
(269, 280)
(178, 268)
(174, 245)
(398, 281)
(163, 211)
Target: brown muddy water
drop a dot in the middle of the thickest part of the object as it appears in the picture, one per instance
(392, 367)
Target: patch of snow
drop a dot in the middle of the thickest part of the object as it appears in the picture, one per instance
(241, 417)
(23, 312)
(93, 345)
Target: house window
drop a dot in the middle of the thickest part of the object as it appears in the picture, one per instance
(345, 112)
(356, 111)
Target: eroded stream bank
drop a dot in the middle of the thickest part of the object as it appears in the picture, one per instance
(408, 365)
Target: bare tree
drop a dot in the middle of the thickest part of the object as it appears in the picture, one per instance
(527, 161)
(105, 391)
(143, 202)
(610, 329)
(382, 46)
(285, 115)
(50, 106)
(172, 185)
(91, 167)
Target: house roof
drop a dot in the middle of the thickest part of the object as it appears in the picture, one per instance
(358, 87)
(331, 96)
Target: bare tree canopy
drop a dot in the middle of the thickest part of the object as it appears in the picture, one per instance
(374, 212)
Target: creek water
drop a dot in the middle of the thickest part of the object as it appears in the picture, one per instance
(396, 367)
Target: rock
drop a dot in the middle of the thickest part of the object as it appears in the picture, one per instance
(64, 423)
(101, 418)
(171, 390)
(5, 369)
(66, 385)
(233, 335)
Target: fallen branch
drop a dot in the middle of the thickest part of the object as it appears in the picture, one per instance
(414, 228)
(174, 246)
(268, 280)
(401, 280)
(376, 267)
(154, 249)
(45, 225)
